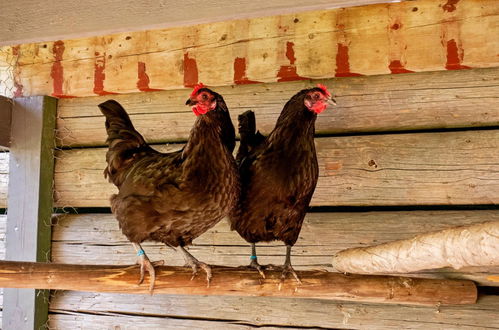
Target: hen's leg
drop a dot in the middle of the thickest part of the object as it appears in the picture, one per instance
(145, 264)
(194, 264)
(254, 261)
(288, 268)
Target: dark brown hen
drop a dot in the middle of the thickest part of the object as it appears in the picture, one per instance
(278, 174)
(172, 197)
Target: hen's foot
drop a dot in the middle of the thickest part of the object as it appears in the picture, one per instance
(288, 269)
(195, 264)
(145, 264)
(255, 265)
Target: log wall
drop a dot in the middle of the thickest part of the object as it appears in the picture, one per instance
(410, 148)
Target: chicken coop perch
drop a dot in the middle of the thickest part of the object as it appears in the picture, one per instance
(238, 282)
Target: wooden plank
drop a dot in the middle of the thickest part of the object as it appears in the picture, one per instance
(116, 321)
(392, 169)
(271, 311)
(237, 281)
(430, 100)
(96, 239)
(5, 119)
(4, 178)
(369, 40)
(28, 230)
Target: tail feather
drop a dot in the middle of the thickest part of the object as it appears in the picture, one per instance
(122, 138)
(250, 138)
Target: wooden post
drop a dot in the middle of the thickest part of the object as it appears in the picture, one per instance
(240, 281)
(5, 119)
(29, 212)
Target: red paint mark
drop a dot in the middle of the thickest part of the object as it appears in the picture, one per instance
(100, 75)
(288, 72)
(450, 6)
(342, 63)
(15, 50)
(143, 79)
(290, 52)
(453, 58)
(397, 67)
(240, 72)
(395, 26)
(57, 72)
(190, 71)
(17, 84)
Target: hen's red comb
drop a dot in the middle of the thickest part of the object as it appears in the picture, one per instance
(324, 88)
(196, 89)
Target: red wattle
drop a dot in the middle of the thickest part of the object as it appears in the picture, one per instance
(199, 110)
(319, 107)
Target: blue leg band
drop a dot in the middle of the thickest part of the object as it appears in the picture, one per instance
(253, 257)
(140, 253)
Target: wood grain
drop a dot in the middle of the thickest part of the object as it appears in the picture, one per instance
(430, 100)
(96, 239)
(228, 281)
(367, 40)
(391, 169)
(105, 321)
(280, 312)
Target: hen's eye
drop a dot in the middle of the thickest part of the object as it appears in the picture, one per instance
(204, 96)
(316, 96)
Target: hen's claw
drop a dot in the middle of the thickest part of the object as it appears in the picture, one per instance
(255, 265)
(287, 270)
(195, 265)
(192, 262)
(145, 264)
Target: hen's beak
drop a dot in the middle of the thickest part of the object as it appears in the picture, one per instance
(190, 102)
(331, 101)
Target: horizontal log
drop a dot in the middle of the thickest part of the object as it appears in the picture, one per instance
(239, 282)
(96, 239)
(457, 247)
(392, 169)
(369, 40)
(429, 100)
(73, 320)
(276, 312)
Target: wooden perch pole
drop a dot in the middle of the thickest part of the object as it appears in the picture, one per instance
(474, 245)
(238, 282)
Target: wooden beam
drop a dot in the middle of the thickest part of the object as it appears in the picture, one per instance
(389, 169)
(407, 36)
(28, 234)
(5, 120)
(239, 282)
(427, 100)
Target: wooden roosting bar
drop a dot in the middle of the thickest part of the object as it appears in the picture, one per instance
(239, 282)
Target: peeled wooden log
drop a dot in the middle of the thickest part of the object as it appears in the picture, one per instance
(238, 282)
(465, 246)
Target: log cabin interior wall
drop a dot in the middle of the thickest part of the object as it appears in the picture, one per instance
(411, 147)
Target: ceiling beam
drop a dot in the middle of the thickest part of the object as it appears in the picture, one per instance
(26, 21)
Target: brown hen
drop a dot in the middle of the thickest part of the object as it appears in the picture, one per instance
(278, 174)
(173, 197)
